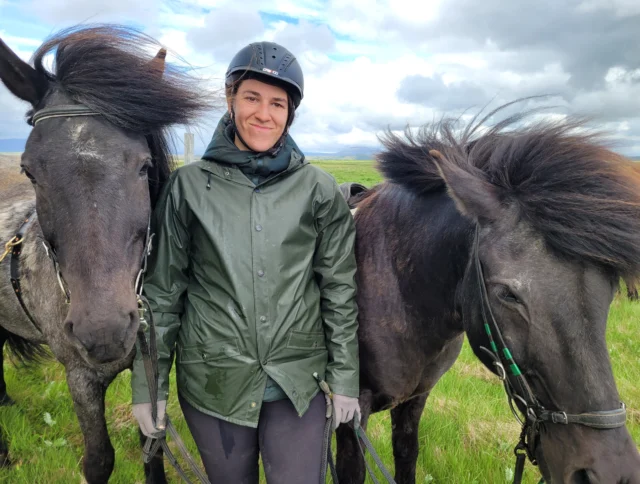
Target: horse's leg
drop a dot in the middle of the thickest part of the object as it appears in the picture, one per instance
(404, 434)
(88, 391)
(154, 470)
(349, 462)
(4, 450)
(632, 290)
(5, 400)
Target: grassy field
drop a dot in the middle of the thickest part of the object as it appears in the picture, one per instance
(466, 434)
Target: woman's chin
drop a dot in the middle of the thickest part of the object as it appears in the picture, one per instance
(261, 145)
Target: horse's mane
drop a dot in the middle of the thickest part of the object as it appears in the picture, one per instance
(582, 197)
(106, 67)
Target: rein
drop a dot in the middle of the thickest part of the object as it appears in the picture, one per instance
(14, 247)
(518, 389)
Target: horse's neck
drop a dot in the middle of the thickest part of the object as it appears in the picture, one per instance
(38, 283)
(428, 243)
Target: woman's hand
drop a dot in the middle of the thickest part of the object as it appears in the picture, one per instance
(345, 409)
(142, 413)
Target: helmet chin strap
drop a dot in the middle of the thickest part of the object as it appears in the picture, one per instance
(275, 149)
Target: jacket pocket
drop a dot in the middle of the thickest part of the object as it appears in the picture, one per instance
(208, 351)
(300, 340)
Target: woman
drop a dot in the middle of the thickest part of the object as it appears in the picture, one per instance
(252, 282)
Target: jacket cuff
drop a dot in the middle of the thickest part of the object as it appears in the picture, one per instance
(344, 390)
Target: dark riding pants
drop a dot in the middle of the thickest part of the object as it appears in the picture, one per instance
(290, 446)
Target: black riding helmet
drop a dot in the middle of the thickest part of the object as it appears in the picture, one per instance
(271, 61)
(273, 64)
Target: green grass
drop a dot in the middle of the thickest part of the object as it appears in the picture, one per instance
(466, 434)
(351, 171)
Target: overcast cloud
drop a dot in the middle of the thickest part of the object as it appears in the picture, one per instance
(369, 65)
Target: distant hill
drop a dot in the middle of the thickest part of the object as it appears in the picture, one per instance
(348, 153)
(12, 145)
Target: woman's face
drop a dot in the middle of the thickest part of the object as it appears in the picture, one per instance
(261, 112)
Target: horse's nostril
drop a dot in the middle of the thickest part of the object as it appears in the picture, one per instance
(134, 317)
(68, 329)
(583, 476)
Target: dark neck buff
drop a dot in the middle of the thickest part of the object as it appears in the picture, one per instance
(258, 167)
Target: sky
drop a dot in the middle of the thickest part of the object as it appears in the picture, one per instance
(372, 65)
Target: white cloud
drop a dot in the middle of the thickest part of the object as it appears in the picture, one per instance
(620, 7)
(64, 12)
(15, 40)
(225, 31)
(12, 121)
(364, 60)
(305, 37)
(417, 12)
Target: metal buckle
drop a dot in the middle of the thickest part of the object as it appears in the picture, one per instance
(502, 373)
(560, 418)
(141, 315)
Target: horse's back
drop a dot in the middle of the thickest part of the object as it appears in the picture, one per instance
(17, 198)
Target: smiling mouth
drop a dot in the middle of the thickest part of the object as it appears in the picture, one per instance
(261, 128)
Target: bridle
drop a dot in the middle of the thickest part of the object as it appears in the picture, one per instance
(69, 111)
(518, 389)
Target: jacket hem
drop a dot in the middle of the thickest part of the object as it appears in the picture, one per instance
(244, 423)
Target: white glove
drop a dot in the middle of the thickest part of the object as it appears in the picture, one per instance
(142, 413)
(345, 409)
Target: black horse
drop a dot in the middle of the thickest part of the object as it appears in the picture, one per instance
(518, 238)
(97, 157)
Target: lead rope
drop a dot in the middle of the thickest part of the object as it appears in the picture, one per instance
(149, 352)
(152, 444)
(361, 438)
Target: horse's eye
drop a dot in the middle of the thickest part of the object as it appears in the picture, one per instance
(144, 171)
(508, 296)
(24, 170)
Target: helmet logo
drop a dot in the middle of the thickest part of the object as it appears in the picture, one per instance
(270, 71)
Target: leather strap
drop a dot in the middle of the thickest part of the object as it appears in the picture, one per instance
(15, 265)
(605, 419)
(61, 111)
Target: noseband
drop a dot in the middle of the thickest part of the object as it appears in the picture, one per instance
(518, 389)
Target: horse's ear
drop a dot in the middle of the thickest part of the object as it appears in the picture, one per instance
(21, 79)
(157, 63)
(474, 197)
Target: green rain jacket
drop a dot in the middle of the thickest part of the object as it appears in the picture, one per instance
(249, 280)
